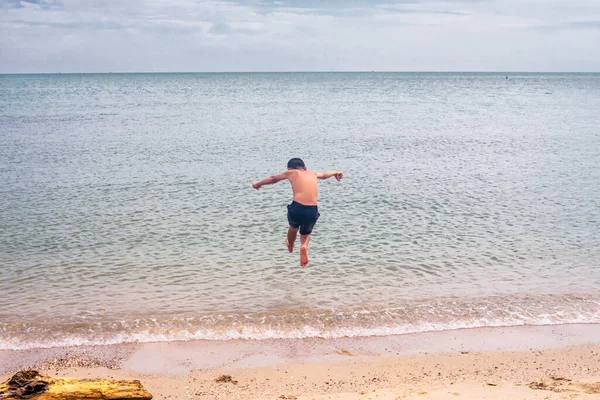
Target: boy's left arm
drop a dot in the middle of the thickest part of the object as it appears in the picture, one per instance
(271, 180)
(326, 175)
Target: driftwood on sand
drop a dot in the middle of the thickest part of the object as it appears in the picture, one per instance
(32, 385)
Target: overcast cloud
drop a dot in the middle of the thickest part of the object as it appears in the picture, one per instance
(295, 35)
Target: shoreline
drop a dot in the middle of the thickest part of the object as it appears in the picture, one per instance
(147, 357)
(403, 318)
(475, 363)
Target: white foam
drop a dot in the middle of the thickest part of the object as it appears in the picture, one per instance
(298, 333)
(413, 317)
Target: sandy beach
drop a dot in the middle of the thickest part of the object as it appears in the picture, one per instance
(552, 362)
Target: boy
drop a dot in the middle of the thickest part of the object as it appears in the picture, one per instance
(303, 212)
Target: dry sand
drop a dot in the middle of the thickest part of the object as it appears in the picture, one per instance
(561, 362)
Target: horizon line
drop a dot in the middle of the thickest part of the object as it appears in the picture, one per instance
(300, 72)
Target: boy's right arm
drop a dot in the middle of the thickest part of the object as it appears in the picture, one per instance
(271, 180)
(326, 175)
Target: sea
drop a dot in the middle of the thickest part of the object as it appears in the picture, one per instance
(127, 212)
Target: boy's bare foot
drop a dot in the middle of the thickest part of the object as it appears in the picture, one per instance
(303, 256)
(289, 246)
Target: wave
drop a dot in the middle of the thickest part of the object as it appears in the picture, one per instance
(413, 317)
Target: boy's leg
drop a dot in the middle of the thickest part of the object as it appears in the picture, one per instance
(304, 239)
(290, 240)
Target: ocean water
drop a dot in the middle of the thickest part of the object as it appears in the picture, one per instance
(127, 212)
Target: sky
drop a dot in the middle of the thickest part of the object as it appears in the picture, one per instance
(295, 35)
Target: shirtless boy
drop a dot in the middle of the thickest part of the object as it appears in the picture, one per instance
(303, 212)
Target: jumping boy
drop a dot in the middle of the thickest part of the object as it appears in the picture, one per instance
(303, 212)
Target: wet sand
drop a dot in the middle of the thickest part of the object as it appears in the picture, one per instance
(557, 362)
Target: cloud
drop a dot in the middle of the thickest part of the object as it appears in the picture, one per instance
(11, 3)
(45, 4)
(584, 24)
(193, 35)
(220, 28)
(95, 25)
(571, 25)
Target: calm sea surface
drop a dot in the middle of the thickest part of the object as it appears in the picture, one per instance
(127, 212)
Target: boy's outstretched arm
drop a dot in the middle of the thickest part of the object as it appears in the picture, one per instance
(271, 180)
(326, 175)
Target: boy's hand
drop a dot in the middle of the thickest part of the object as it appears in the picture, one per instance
(256, 186)
(339, 175)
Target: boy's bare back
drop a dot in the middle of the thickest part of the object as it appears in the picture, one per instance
(304, 186)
